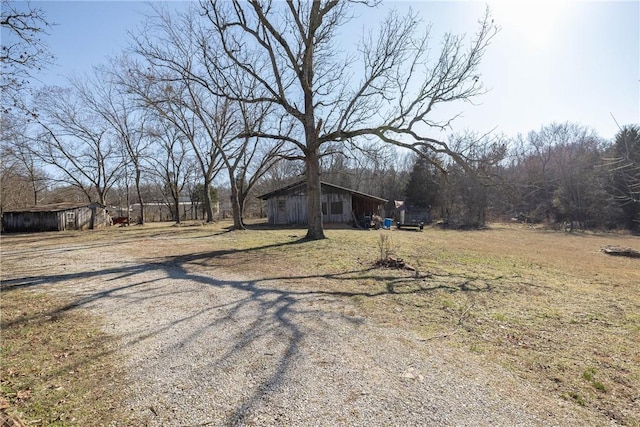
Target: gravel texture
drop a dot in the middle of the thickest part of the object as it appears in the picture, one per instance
(203, 347)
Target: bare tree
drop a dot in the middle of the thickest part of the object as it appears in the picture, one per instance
(178, 84)
(624, 166)
(467, 190)
(580, 194)
(556, 175)
(169, 97)
(22, 177)
(77, 141)
(171, 161)
(246, 158)
(220, 122)
(531, 182)
(291, 50)
(256, 157)
(281, 173)
(126, 121)
(165, 47)
(23, 52)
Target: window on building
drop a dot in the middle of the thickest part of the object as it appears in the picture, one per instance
(336, 208)
(282, 205)
(71, 218)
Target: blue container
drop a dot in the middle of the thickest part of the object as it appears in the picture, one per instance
(387, 223)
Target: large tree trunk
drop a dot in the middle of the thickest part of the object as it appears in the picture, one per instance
(314, 196)
(141, 217)
(242, 197)
(35, 195)
(175, 200)
(128, 200)
(235, 203)
(207, 201)
(176, 207)
(101, 196)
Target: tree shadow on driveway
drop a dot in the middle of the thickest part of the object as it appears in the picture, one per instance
(251, 332)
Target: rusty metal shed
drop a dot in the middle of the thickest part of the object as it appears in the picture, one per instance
(56, 217)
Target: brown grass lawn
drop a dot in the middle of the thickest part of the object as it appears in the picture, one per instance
(56, 366)
(549, 306)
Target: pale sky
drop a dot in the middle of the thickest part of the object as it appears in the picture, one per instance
(552, 61)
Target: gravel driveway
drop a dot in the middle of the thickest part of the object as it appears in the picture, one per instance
(203, 347)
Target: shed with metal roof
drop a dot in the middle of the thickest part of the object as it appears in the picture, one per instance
(288, 205)
(56, 217)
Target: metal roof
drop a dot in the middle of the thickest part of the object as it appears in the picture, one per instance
(323, 184)
(54, 207)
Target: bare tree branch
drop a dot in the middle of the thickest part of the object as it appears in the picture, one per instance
(23, 52)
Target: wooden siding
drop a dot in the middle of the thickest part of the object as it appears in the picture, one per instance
(336, 208)
(76, 218)
(17, 222)
(288, 205)
(292, 209)
(83, 219)
(287, 210)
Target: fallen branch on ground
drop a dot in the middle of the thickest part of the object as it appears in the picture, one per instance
(620, 251)
(392, 262)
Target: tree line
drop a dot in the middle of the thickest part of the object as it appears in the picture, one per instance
(563, 174)
(257, 94)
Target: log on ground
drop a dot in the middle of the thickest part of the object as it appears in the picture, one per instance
(620, 251)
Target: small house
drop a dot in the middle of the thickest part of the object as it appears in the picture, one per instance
(288, 205)
(56, 217)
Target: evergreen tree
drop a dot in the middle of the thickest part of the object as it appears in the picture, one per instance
(423, 189)
(625, 175)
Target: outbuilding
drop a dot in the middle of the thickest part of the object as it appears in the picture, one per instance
(56, 217)
(288, 205)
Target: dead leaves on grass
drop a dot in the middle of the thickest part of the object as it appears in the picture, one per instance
(57, 367)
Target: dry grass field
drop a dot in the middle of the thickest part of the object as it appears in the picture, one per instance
(549, 306)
